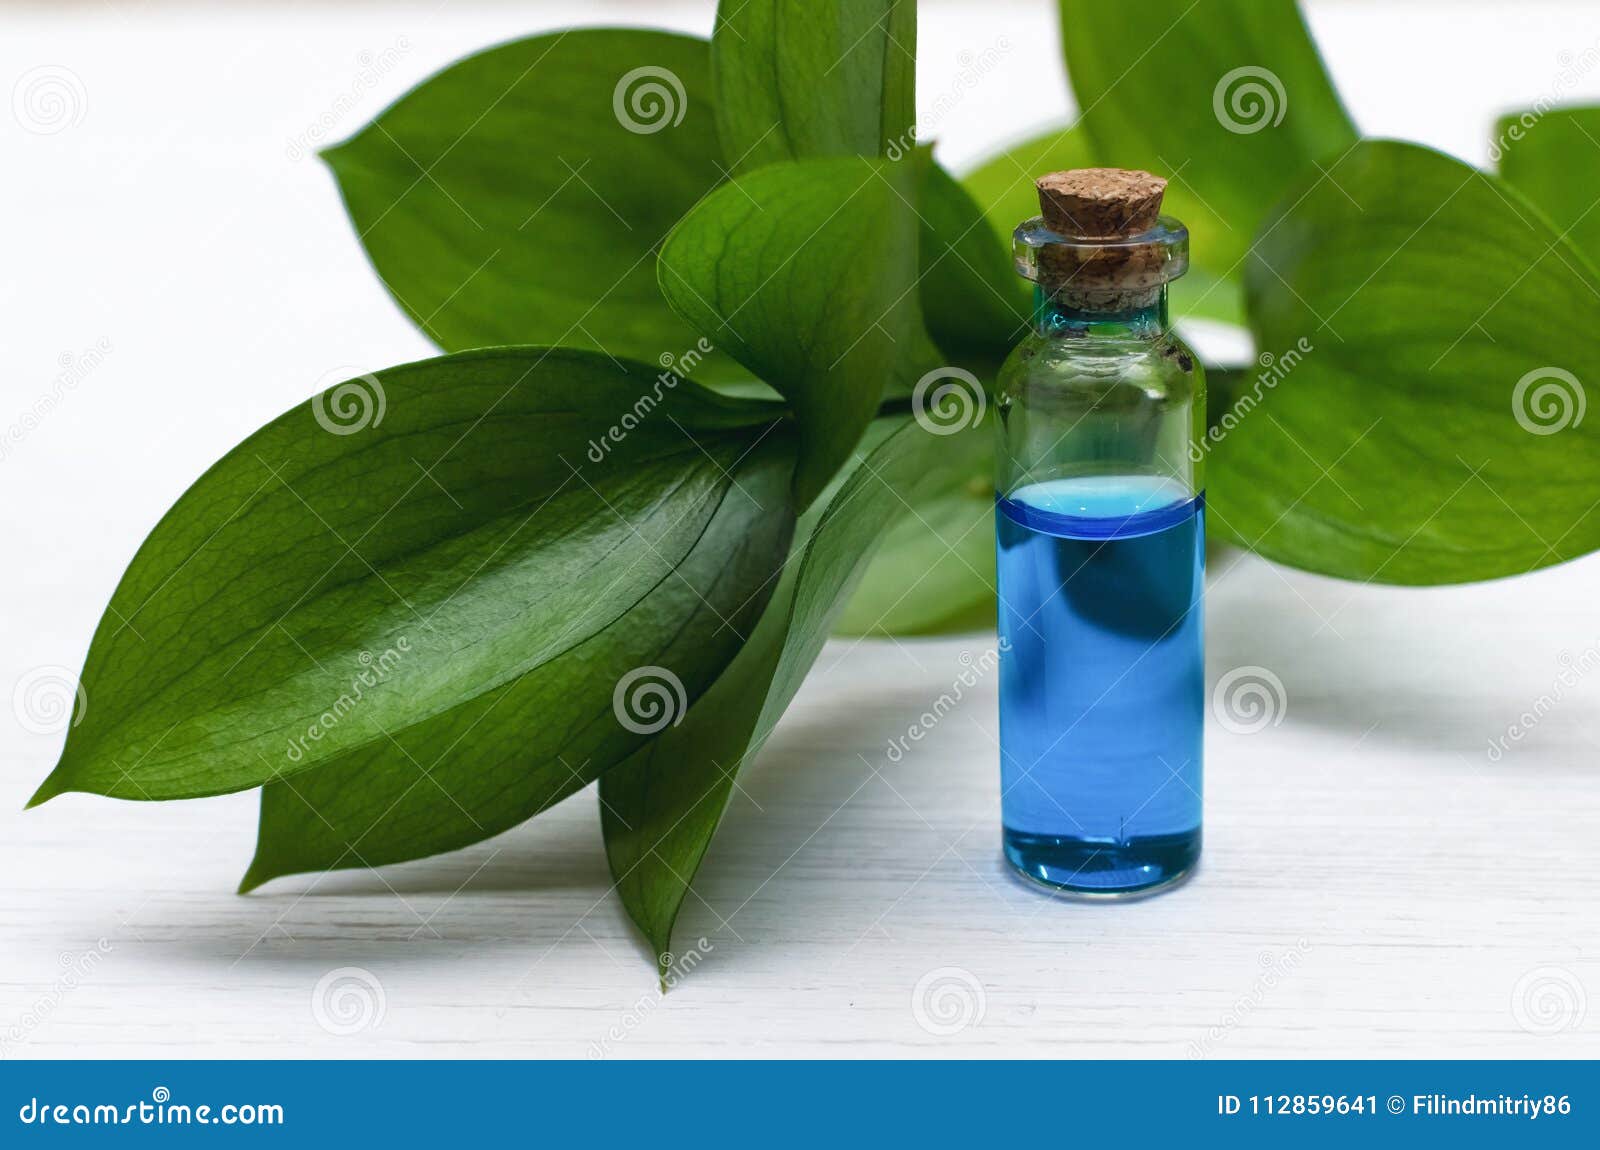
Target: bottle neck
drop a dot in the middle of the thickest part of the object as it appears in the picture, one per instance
(1054, 318)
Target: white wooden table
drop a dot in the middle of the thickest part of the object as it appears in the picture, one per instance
(1374, 883)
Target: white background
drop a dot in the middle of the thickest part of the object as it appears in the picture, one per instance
(1373, 883)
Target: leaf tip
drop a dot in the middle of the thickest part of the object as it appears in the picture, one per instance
(254, 875)
(48, 790)
(330, 154)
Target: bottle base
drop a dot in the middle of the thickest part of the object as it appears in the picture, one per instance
(1100, 869)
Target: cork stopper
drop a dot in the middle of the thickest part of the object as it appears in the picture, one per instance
(1101, 243)
(1100, 203)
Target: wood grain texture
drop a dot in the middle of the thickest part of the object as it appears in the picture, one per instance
(1372, 883)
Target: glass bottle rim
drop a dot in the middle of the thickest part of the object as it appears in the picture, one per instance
(1161, 254)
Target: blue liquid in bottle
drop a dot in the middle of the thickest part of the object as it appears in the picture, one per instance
(1101, 681)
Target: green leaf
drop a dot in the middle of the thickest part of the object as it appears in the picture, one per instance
(974, 304)
(518, 525)
(934, 572)
(1554, 159)
(805, 78)
(805, 272)
(1003, 185)
(660, 809)
(1430, 428)
(1226, 98)
(516, 197)
(504, 757)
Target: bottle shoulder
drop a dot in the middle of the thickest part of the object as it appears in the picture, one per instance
(1160, 364)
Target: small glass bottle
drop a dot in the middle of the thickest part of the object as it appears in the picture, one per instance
(1101, 548)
